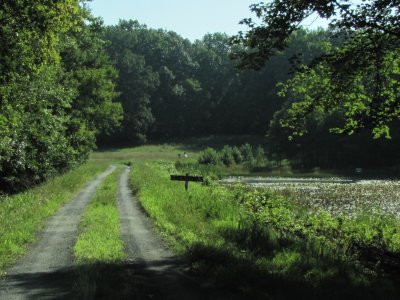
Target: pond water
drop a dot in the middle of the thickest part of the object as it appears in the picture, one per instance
(282, 180)
(337, 195)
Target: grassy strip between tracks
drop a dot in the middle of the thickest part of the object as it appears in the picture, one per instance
(232, 249)
(99, 248)
(99, 240)
(23, 215)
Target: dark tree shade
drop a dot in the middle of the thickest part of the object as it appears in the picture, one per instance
(367, 56)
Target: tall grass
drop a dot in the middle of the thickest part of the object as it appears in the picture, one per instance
(185, 216)
(23, 215)
(236, 245)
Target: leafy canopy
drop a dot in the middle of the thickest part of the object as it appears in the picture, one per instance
(358, 75)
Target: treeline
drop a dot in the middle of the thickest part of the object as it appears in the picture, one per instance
(67, 83)
(170, 87)
(57, 86)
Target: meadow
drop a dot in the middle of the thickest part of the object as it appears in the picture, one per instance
(304, 240)
(256, 242)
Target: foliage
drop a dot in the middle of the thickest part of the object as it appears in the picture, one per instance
(38, 138)
(315, 90)
(56, 90)
(92, 74)
(360, 74)
(29, 34)
(259, 159)
(374, 232)
(247, 152)
(237, 155)
(208, 157)
(226, 156)
(268, 240)
(137, 80)
(234, 155)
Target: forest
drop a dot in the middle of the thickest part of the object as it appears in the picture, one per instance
(70, 84)
(137, 164)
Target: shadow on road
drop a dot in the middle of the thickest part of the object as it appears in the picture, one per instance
(49, 285)
(161, 279)
(167, 279)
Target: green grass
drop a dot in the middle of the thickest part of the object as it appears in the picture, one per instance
(23, 215)
(99, 250)
(99, 239)
(238, 246)
(170, 205)
(149, 152)
(236, 241)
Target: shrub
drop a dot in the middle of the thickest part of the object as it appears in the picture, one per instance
(208, 157)
(247, 152)
(237, 155)
(259, 159)
(226, 156)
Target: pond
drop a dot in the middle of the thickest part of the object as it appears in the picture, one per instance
(337, 195)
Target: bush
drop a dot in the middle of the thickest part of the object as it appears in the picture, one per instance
(237, 155)
(208, 157)
(247, 152)
(226, 156)
(259, 159)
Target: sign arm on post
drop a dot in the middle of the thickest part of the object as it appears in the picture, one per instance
(186, 178)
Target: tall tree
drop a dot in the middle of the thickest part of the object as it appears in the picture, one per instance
(29, 32)
(34, 142)
(90, 70)
(54, 90)
(136, 81)
(367, 55)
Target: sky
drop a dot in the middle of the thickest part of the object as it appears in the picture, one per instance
(191, 19)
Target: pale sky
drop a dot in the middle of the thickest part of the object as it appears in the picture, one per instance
(191, 19)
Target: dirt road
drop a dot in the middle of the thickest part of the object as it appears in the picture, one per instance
(46, 271)
(151, 271)
(155, 272)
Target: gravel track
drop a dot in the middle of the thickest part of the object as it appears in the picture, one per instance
(46, 272)
(155, 272)
(150, 271)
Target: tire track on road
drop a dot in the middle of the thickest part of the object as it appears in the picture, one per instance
(156, 272)
(46, 272)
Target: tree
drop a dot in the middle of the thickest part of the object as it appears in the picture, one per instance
(136, 81)
(34, 142)
(216, 76)
(364, 102)
(29, 33)
(367, 55)
(253, 99)
(90, 70)
(38, 136)
(56, 89)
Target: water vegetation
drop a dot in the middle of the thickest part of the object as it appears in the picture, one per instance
(260, 243)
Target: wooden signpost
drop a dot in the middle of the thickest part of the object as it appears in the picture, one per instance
(186, 178)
